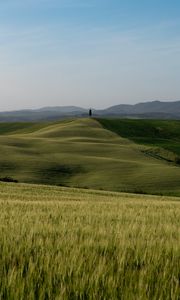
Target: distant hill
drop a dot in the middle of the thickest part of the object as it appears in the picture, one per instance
(154, 109)
(63, 109)
(43, 114)
(146, 110)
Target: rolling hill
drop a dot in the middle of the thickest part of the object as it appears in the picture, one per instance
(159, 134)
(153, 107)
(82, 153)
(42, 114)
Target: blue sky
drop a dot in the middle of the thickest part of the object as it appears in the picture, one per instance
(88, 52)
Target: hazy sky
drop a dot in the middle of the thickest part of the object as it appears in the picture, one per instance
(88, 52)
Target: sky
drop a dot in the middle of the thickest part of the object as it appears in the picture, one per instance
(89, 53)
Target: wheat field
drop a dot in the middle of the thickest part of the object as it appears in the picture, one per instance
(62, 243)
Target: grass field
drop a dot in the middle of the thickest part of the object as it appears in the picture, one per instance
(82, 153)
(62, 243)
(159, 133)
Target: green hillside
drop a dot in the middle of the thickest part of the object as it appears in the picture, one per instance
(82, 153)
(159, 133)
(63, 243)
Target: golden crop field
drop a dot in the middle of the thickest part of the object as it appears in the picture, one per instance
(63, 243)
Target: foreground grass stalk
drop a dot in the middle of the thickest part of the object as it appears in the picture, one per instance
(58, 243)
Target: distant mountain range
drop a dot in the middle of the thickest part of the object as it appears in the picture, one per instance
(151, 110)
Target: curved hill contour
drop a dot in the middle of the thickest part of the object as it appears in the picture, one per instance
(81, 153)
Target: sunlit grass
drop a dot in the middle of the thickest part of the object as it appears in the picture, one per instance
(81, 153)
(58, 243)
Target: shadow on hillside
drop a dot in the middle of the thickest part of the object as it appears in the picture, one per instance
(57, 174)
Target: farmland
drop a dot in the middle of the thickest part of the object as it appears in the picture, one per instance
(85, 153)
(63, 243)
(158, 133)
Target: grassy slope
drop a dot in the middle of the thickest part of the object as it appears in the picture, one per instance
(159, 133)
(59, 243)
(82, 153)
